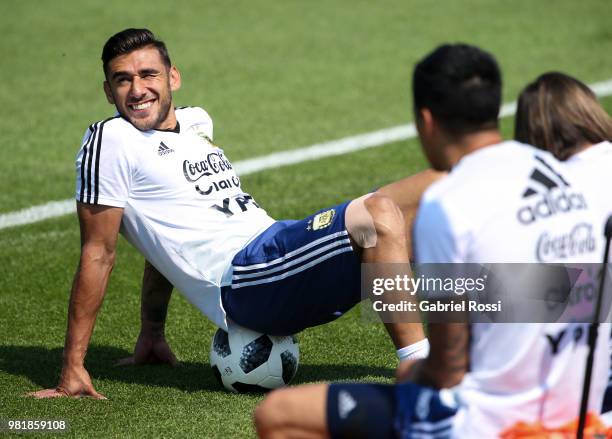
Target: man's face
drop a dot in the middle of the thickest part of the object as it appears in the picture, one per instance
(140, 86)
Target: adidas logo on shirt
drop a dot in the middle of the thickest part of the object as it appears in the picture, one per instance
(164, 149)
(549, 194)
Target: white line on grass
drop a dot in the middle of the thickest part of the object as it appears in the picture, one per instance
(326, 149)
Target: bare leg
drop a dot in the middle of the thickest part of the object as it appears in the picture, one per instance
(406, 193)
(391, 247)
(298, 412)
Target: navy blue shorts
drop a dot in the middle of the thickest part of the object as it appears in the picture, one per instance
(294, 275)
(404, 410)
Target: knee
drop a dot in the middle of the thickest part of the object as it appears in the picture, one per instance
(386, 215)
(268, 415)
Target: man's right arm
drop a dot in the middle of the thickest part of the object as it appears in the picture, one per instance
(99, 231)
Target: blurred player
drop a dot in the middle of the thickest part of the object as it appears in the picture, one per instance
(484, 211)
(560, 114)
(153, 173)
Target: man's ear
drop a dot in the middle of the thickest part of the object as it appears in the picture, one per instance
(107, 92)
(426, 122)
(175, 78)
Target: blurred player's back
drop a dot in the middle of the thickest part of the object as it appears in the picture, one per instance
(510, 203)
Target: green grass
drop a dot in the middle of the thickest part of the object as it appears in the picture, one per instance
(274, 76)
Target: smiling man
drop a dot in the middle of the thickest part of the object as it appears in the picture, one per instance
(144, 98)
(153, 174)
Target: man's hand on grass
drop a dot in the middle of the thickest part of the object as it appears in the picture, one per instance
(150, 350)
(74, 382)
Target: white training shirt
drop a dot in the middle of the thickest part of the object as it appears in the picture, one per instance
(184, 209)
(502, 204)
(595, 165)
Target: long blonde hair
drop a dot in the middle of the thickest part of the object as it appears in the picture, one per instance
(560, 114)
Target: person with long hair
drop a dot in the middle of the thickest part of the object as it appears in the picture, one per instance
(560, 114)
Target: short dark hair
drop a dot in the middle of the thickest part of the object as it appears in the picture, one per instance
(129, 40)
(461, 86)
(560, 114)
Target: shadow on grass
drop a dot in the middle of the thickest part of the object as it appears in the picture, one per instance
(42, 366)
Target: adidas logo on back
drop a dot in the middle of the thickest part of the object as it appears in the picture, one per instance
(553, 195)
(164, 149)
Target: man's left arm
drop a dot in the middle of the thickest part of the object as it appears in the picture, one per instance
(448, 359)
(151, 346)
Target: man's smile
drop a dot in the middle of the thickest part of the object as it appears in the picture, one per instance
(139, 106)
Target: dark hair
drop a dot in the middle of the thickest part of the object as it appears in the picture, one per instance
(560, 114)
(129, 40)
(461, 86)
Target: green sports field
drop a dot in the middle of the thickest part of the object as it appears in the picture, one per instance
(274, 76)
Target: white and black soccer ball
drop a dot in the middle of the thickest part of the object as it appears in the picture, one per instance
(248, 361)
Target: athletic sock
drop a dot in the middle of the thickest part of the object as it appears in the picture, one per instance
(415, 351)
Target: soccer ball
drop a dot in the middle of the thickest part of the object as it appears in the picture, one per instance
(247, 361)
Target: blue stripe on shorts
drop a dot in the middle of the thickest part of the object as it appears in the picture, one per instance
(294, 275)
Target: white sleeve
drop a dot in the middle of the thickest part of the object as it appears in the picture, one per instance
(206, 121)
(435, 238)
(196, 119)
(102, 168)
